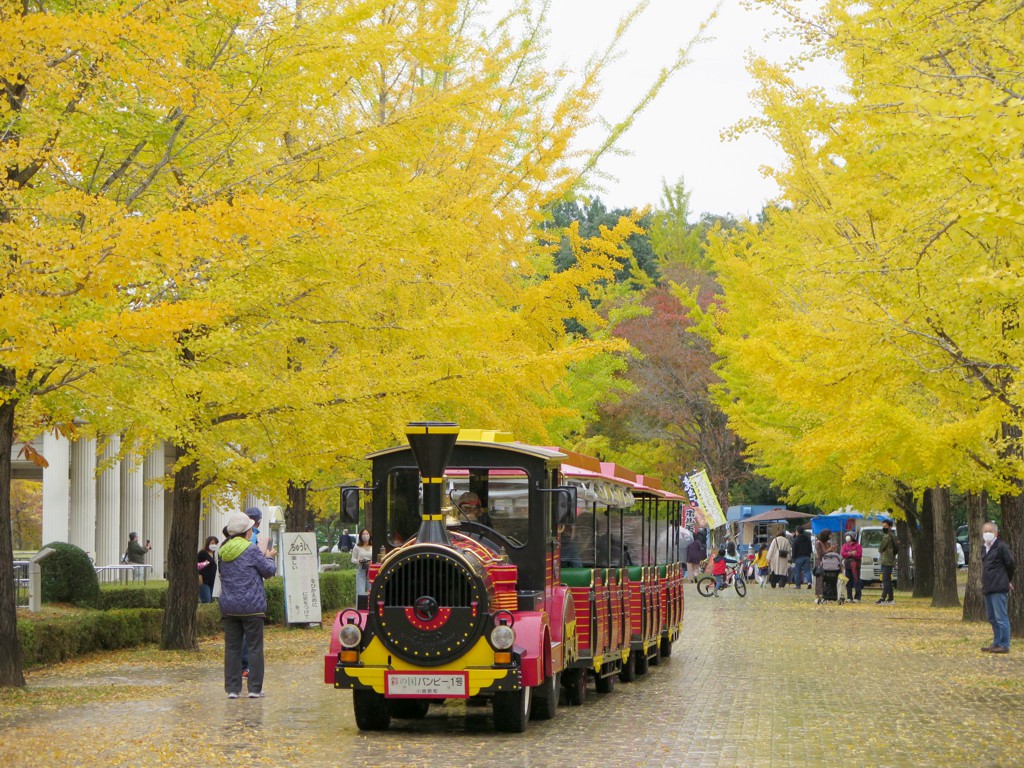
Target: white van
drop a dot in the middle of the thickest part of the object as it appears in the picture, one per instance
(870, 568)
(870, 537)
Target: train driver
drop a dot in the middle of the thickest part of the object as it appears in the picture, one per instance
(471, 507)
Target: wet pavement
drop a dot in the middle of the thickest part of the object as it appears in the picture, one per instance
(767, 680)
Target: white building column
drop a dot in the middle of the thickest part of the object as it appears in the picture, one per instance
(131, 498)
(110, 540)
(153, 508)
(215, 517)
(82, 527)
(56, 488)
(252, 500)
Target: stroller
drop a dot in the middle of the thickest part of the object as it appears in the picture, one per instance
(831, 567)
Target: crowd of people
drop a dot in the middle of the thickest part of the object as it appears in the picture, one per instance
(797, 558)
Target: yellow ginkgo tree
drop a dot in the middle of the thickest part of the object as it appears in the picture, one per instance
(390, 160)
(869, 332)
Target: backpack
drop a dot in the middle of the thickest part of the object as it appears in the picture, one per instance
(831, 562)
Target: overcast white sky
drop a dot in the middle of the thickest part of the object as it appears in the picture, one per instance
(678, 135)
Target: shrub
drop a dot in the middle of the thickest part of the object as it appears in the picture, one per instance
(131, 597)
(275, 600)
(344, 559)
(68, 576)
(337, 590)
(56, 640)
(208, 621)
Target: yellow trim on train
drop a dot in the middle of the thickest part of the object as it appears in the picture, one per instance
(432, 429)
(477, 661)
(486, 436)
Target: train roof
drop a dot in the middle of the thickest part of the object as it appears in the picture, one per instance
(489, 439)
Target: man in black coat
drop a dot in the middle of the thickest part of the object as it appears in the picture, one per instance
(997, 569)
(802, 550)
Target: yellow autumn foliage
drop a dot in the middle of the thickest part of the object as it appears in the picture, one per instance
(870, 328)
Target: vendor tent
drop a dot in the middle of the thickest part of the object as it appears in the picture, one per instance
(775, 515)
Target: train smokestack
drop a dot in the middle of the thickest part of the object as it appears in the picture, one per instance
(432, 444)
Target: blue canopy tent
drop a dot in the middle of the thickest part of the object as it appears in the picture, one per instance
(840, 522)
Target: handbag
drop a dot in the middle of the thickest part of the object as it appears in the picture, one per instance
(817, 570)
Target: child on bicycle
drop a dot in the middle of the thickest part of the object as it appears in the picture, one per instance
(718, 569)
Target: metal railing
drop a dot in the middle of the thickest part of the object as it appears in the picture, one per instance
(123, 573)
(28, 592)
(21, 589)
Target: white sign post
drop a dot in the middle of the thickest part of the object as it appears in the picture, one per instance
(301, 578)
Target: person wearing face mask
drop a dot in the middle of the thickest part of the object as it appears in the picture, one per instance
(362, 556)
(887, 559)
(852, 554)
(997, 567)
(207, 564)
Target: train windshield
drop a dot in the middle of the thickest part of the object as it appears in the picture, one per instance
(496, 498)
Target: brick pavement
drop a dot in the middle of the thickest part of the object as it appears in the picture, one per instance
(769, 680)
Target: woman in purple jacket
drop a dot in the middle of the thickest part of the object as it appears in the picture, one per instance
(243, 603)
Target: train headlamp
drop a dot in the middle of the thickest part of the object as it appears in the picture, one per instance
(350, 635)
(503, 637)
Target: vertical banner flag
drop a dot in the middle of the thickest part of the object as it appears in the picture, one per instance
(700, 491)
(301, 578)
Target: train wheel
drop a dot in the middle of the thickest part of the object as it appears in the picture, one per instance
(512, 710)
(628, 673)
(545, 698)
(640, 662)
(410, 709)
(656, 656)
(575, 687)
(371, 710)
(666, 647)
(605, 684)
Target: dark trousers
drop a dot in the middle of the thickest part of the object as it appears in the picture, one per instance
(853, 582)
(239, 629)
(887, 582)
(777, 580)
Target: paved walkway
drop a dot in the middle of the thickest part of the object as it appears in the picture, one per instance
(769, 680)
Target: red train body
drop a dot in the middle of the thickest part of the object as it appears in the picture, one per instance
(571, 572)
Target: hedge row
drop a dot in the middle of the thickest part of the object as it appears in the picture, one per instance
(337, 589)
(344, 559)
(130, 596)
(134, 616)
(56, 640)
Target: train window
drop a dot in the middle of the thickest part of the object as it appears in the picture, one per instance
(403, 505)
(636, 537)
(496, 498)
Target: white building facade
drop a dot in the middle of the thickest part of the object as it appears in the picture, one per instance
(94, 500)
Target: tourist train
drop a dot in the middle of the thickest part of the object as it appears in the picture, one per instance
(505, 574)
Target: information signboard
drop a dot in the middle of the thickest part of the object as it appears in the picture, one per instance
(301, 565)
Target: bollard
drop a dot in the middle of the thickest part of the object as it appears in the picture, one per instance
(35, 581)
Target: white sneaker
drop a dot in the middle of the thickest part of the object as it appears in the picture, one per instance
(232, 695)
(253, 695)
